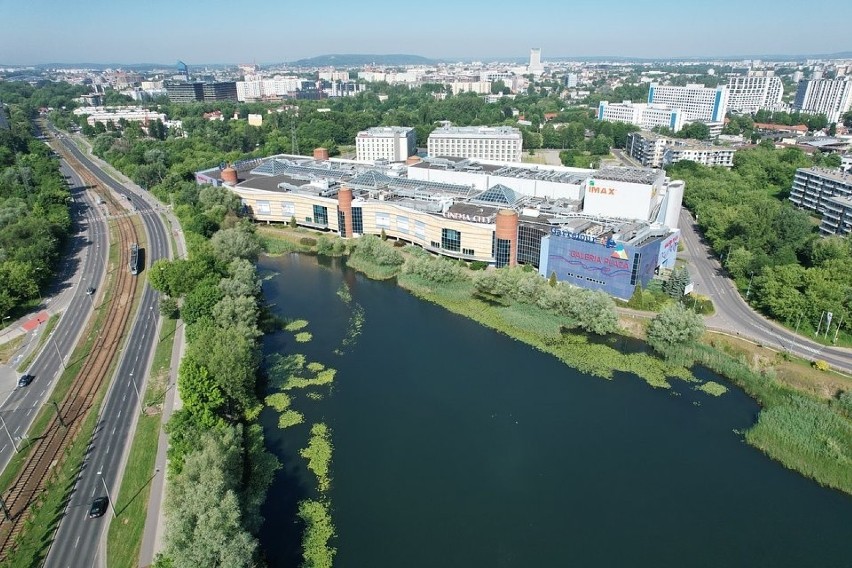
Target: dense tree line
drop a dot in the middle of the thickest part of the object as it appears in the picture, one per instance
(767, 245)
(218, 464)
(34, 215)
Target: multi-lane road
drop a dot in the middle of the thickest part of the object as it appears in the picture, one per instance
(84, 268)
(735, 316)
(79, 540)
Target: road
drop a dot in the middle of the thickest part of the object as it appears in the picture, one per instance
(79, 541)
(735, 316)
(85, 267)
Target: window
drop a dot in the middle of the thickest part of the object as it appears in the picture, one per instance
(468, 252)
(357, 221)
(435, 244)
(634, 274)
(263, 208)
(450, 240)
(402, 224)
(382, 220)
(420, 229)
(320, 215)
(288, 209)
(504, 252)
(341, 223)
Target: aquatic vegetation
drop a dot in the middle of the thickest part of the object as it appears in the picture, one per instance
(315, 396)
(280, 368)
(296, 325)
(319, 530)
(315, 367)
(353, 330)
(324, 377)
(290, 418)
(713, 388)
(344, 294)
(303, 337)
(318, 454)
(279, 401)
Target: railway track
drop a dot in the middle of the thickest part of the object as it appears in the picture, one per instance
(47, 452)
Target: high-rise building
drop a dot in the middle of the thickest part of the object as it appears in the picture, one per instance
(828, 192)
(646, 116)
(697, 102)
(390, 143)
(499, 143)
(192, 92)
(755, 91)
(183, 70)
(535, 67)
(831, 97)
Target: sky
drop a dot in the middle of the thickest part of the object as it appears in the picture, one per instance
(273, 31)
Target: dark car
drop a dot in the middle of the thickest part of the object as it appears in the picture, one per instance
(90, 290)
(98, 508)
(25, 380)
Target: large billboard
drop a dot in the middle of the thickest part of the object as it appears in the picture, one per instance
(617, 199)
(668, 250)
(613, 267)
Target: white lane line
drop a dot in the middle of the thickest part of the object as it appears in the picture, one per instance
(3, 449)
(29, 411)
(76, 542)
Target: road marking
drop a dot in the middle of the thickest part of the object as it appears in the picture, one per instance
(29, 411)
(76, 542)
(113, 431)
(3, 449)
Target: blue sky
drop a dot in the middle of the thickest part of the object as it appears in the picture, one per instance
(268, 31)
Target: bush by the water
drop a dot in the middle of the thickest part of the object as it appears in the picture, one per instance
(377, 251)
(435, 269)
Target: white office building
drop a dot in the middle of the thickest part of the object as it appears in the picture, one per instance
(694, 151)
(831, 97)
(388, 143)
(697, 102)
(827, 192)
(758, 90)
(499, 143)
(646, 116)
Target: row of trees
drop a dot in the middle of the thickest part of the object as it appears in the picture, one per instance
(34, 199)
(219, 468)
(766, 244)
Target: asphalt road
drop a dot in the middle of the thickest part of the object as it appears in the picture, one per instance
(735, 316)
(79, 541)
(84, 267)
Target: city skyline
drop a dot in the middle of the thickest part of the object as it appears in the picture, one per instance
(260, 32)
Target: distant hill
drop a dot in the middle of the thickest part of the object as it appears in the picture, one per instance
(359, 60)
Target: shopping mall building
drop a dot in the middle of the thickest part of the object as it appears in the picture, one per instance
(608, 229)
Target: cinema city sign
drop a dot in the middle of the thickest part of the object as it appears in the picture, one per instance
(468, 218)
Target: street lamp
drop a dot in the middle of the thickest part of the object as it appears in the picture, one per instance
(61, 360)
(138, 396)
(11, 439)
(748, 290)
(109, 498)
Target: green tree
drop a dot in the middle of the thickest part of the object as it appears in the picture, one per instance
(675, 325)
(200, 394)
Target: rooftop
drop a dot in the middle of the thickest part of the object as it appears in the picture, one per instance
(835, 174)
(631, 175)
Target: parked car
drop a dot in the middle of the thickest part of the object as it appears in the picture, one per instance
(25, 380)
(99, 507)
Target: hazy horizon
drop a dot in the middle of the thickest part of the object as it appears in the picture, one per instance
(216, 32)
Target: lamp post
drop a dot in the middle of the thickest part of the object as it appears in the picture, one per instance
(11, 439)
(61, 360)
(138, 396)
(109, 498)
(748, 290)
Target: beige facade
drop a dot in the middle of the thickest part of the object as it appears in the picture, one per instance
(397, 221)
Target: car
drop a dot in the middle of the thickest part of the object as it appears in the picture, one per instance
(25, 380)
(99, 507)
(90, 290)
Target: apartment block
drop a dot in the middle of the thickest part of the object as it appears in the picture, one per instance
(500, 143)
(646, 116)
(697, 102)
(758, 90)
(824, 191)
(831, 97)
(389, 143)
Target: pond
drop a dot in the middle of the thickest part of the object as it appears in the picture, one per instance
(455, 445)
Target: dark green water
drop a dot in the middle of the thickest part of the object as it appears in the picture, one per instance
(458, 447)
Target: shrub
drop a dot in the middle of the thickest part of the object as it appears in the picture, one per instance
(821, 365)
(373, 249)
(292, 223)
(478, 265)
(673, 327)
(434, 269)
(308, 241)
